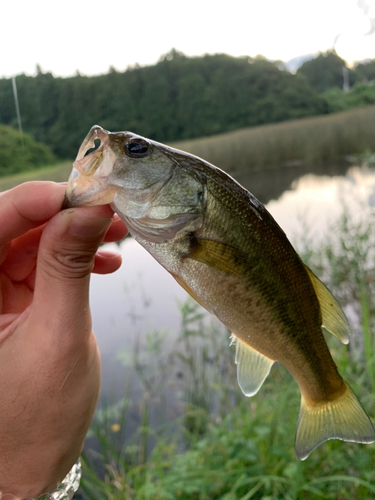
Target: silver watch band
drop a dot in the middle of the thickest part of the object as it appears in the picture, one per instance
(65, 491)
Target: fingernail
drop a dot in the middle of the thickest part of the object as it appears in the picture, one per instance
(89, 227)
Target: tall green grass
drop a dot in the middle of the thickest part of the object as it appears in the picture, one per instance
(307, 140)
(228, 447)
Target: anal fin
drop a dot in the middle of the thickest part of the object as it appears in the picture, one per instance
(252, 368)
(333, 318)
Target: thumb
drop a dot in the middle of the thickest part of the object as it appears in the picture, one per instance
(65, 261)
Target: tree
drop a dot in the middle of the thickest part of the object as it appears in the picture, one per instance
(326, 71)
(366, 70)
(178, 98)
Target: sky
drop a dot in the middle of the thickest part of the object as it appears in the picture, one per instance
(90, 36)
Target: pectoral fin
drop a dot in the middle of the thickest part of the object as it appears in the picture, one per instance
(333, 318)
(218, 255)
(252, 368)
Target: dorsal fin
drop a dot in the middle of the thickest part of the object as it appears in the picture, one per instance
(252, 367)
(333, 318)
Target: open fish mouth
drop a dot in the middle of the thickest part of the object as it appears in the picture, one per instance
(96, 133)
(94, 162)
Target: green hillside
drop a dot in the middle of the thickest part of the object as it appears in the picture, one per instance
(178, 98)
(18, 155)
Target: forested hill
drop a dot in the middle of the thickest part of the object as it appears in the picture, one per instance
(178, 98)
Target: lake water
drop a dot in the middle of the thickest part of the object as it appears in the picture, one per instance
(142, 297)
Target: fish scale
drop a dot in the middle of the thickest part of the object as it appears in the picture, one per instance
(223, 247)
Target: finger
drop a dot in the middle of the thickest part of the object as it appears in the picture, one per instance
(15, 297)
(5, 321)
(22, 254)
(117, 231)
(65, 260)
(27, 206)
(21, 274)
(106, 262)
(20, 258)
(4, 251)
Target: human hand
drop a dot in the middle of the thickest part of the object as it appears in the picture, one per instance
(49, 361)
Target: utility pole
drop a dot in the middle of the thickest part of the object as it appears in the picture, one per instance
(14, 85)
(345, 74)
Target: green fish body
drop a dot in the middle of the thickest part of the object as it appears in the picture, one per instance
(221, 245)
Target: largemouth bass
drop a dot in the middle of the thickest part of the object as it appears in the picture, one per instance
(224, 248)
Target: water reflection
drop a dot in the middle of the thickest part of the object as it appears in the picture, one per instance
(317, 201)
(141, 297)
(269, 183)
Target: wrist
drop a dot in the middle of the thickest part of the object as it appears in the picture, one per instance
(65, 491)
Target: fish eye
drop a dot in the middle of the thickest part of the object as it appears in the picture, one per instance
(137, 148)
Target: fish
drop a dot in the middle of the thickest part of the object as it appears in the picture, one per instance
(226, 250)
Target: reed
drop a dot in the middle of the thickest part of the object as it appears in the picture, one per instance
(307, 140)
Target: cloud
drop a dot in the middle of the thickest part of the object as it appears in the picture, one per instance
(366, 9)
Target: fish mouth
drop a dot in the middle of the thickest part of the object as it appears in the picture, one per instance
(96, 133)
(87, 184)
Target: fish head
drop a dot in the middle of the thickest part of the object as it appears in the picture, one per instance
(145, 182)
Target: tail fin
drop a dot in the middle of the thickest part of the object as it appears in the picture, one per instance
(343, 418)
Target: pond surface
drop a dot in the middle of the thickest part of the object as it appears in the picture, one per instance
(142, 297)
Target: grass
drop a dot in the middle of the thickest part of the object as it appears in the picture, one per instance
(228, 447)
(56, 173)
(308, 140)
(247, 453)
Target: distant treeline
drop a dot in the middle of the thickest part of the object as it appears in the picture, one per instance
(326, 71)
(178, 98)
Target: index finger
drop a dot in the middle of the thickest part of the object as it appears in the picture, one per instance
(27, 206)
